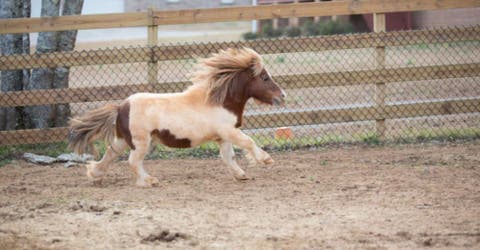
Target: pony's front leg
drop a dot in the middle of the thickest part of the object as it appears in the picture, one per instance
(227, 154)
(135, 160)
(242, 140)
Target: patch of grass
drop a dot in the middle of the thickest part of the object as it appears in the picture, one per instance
(206, 150)
(370, 138)
(440, 134)
(279, 59)
(4, 162)
(269, 32)
(293, 31)
(250, 36)
(282, 144)
(332, 27)
(211, 149)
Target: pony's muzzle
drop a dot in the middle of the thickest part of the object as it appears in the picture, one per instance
(279, 100)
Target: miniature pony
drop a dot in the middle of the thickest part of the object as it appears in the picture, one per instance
(211, 109)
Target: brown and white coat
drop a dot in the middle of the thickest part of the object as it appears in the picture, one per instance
(209, 110)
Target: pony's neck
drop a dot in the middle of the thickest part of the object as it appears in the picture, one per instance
(236, 107)
(198, 92)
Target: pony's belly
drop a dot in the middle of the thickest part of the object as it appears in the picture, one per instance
(165, 137)
(169, 139)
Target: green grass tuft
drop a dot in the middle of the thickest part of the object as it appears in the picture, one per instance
(370, 138)
(211, 149)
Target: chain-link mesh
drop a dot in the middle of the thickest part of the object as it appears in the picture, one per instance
(409, 85)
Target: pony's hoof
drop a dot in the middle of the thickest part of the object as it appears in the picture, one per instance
(98, 182)
(241, 177)
(148, 181)
(268, 161)
(93, 173)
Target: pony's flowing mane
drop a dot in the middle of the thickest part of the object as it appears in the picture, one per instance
(220, 71)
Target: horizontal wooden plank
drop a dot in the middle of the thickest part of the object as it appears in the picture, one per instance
(264, 46)
(226, 14)
(279, 119)
(73, 22)
(33, 136)
(387, 75)
(76, 58)
(309, 117)
(366, 113)
(441, 107)
(330, 8)
(118, 92)
(71, 95)
(322, 43)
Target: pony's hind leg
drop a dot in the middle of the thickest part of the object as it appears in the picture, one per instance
(97, 169)
(136, 162)
(227, 154)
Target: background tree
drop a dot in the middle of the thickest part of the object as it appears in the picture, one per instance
(42, 78)
(46, 78)
(66, 42)
(13, 80)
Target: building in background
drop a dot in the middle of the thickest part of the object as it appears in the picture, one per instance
(394, 21)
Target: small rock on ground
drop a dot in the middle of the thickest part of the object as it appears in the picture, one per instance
(83, 158)
(39, 159)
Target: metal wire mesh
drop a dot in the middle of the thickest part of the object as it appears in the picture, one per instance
(395, 86)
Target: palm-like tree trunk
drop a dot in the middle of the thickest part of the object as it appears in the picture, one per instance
(13, 80)
(66, 42)
(42, 78)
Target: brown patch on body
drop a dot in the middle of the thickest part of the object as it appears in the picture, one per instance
(122, 128)
(170, 140)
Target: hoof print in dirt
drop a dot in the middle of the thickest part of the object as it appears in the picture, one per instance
(164, 236)
(98, 183)
(427, 242)
(80, 205)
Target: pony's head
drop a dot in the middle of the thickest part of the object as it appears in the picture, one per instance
(237, 75)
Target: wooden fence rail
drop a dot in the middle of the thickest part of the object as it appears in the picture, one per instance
(329, 79)
(268, 46)
(226, 14)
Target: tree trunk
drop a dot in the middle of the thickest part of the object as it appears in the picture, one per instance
(13, 80)
(26, 12)
(41, 116)
(66, 42)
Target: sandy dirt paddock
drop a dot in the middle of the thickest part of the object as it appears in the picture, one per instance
(407, 196)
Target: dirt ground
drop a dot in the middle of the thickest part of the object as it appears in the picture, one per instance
(405, 196)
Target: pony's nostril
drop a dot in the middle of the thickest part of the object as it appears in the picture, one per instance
(283, 95)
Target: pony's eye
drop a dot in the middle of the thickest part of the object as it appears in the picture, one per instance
(265, 78)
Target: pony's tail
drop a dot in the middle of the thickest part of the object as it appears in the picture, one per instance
(98, 124)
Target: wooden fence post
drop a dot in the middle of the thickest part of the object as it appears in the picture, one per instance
(380, 88)
(152, 40)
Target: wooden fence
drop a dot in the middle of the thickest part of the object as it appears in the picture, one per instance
(153, 54)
